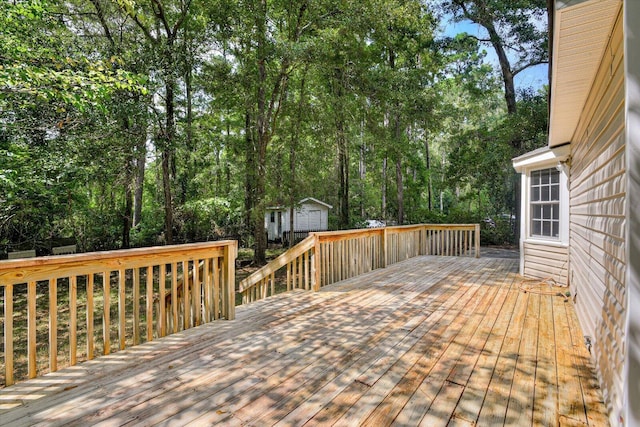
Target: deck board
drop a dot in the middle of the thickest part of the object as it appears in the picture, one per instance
(429, 341)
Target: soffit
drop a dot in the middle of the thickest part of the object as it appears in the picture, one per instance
(580, 35)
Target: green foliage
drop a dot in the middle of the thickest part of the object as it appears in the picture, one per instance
(36, 65)
(110, 120)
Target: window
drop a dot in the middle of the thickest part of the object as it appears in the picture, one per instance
(545, 203)
(273, 217)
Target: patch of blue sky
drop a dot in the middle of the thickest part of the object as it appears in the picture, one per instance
(534, 77)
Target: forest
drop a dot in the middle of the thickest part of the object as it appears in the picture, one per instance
(137, 123)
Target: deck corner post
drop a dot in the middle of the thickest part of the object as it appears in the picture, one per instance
(477, 239)
(230, 254)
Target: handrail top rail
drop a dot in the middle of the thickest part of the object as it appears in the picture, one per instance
(432, 226)
(116, 253)
(282, 260)
(392, 228)
(22, 270)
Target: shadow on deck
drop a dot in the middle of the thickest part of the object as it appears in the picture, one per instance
(431, 341)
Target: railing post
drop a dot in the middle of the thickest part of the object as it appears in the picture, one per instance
(8, 335)
(477, 233)
(230, 253)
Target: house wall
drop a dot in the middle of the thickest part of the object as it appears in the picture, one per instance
(542, 261)
(597, 259)
(540, 257)
(631, 415)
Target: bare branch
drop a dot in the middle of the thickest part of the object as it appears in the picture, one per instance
(471, 36)
(530, 64)
(103, 22)
(183, 16)
(159, 13)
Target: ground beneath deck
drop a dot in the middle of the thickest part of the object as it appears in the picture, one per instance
(431, 341)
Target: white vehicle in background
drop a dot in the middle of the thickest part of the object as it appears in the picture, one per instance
(375, 223)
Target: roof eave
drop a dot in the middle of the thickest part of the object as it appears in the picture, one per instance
(580, 28)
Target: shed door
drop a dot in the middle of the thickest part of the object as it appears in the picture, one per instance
(314, 220)
(273, 227)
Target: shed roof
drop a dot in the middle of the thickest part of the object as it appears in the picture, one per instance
(303, 201)
(316, 201)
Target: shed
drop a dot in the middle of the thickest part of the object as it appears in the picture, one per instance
(309, 215)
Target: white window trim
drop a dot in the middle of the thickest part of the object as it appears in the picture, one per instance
(538, 160)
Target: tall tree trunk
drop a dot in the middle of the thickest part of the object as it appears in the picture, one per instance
(167, 154)
(295, 141)
(505, 68)
(341, 146)
(399, 180)
(190, 166)
(383, 197)
(250, 173)
(126, 216)
(262, 130)
(292, 187)
(400, 190)
(362, 175)
(428, 165)
(168, 203)
(268, 108)
(343, 170)
(141, 157)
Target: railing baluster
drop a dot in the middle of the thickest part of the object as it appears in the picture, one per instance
(162, 284)
(90, 310)
(31, 328)
(136, 306)
(307, 266)
(122, 309)
(186, 297)
(294, 274)
(206, 278)
(73, 319)
(230, 253)
(150, 303)
(106, 312)
(216, 288)
(53, 324)
(197, 293)
(175, 326)
(300, 272)
(8, 334)
(273, 284)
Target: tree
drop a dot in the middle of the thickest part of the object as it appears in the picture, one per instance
(513, 29)
(162, 23)
(49, 95)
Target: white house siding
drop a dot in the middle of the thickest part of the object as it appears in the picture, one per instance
(309, 216)
(544, 261)
(631, 412)
(597, 259)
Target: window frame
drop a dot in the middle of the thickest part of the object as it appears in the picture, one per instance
(544, 207)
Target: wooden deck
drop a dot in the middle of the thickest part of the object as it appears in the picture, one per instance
(428, 341)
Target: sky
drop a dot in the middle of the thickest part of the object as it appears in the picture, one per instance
(534, 77)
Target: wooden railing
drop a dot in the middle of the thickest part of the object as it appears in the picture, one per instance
(328, 257)
(51, 305)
